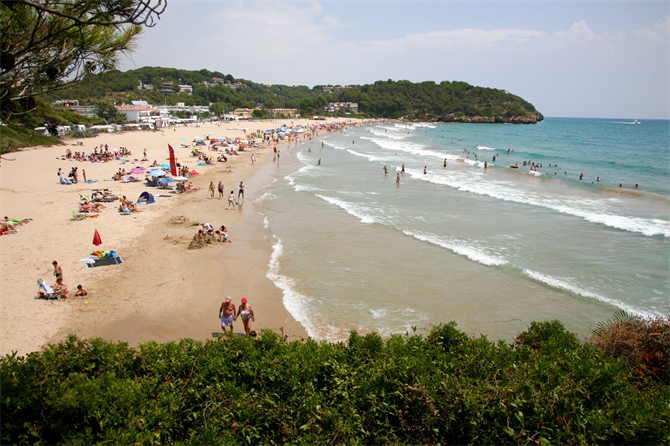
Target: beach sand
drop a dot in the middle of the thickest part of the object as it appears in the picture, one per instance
(163, 291)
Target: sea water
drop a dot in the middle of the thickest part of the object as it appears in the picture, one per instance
(491, 248)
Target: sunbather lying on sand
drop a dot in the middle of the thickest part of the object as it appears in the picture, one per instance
(17, 221)
(7, 229)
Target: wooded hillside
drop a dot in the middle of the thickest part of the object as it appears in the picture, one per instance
(444, 101)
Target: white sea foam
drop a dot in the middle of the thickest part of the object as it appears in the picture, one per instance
(565, 284)
(413, 148)
(564, 205)
(534, 173)
(485, 148)
(459, 247)
(265, 196)
(368, 156)
(266, 223)
(269, 184)
(305, 188)
(356, 210)
(396, 321)
(303, 171)
(395, 135)
(334, 145)
(294, 302)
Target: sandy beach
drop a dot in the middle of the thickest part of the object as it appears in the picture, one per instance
(163, 291)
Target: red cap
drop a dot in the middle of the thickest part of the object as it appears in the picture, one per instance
(244, 300)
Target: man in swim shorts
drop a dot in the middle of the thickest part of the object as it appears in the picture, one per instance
(227, 313)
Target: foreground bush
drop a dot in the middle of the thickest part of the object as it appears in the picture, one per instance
(447, 388)
(644, 342)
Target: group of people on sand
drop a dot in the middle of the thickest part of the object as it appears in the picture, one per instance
(228, 314)
(8, 226)
(60, 288)
(208, 230)
(73, 176)
(231, 197)
(98, 156)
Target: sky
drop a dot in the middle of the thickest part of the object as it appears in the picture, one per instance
(569, 59)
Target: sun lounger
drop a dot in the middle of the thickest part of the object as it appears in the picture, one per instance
(76, 216)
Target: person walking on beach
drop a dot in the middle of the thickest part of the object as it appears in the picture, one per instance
(75, 175)
(220, 190)
(240, 193)
(211, 189)
(253, 159)
(231, 200)
(58, 271)
(246, 313)
(227, 314)
(83, 172)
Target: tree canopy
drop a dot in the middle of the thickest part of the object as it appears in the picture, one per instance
(53, 44)
(391, 99)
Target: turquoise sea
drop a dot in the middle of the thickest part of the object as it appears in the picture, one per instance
(492, 248)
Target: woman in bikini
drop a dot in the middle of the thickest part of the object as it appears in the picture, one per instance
(246, 313)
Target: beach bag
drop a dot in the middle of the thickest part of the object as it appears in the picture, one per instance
(112, 254)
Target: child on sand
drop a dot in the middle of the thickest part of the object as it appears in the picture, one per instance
(81, 291)
(58, 271)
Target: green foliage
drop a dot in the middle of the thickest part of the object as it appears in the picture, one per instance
(389, 99)
(53, 44)
(449, 388)
(547, 335)
(14, 137)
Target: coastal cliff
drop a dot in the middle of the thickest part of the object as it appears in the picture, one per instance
(532, 118)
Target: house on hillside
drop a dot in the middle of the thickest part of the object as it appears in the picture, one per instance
(351, 107)
(166, 88)
(73, 106)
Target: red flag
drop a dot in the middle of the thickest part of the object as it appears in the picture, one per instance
(97, 241)
(173, 164)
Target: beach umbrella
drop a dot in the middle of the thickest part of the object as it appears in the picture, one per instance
(166, 180)
(196, 137)
(165, 166)
(184, 139)
(156, 173)
(136, 170)
(97, 241)
(210, 133)
(180, 179)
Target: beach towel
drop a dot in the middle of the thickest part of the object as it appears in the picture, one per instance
(91, 181)
(104, 262)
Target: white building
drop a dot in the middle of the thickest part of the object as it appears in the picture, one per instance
(138, 112)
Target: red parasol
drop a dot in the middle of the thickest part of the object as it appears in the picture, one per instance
(96, 238)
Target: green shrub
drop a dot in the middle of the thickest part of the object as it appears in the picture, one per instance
(448, 388)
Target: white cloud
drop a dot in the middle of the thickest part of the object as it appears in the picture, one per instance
(579, 31)
(657, 35)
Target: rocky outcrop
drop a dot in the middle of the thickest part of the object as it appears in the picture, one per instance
(532, 118)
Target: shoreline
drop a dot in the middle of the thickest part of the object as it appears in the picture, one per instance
(162, 291)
